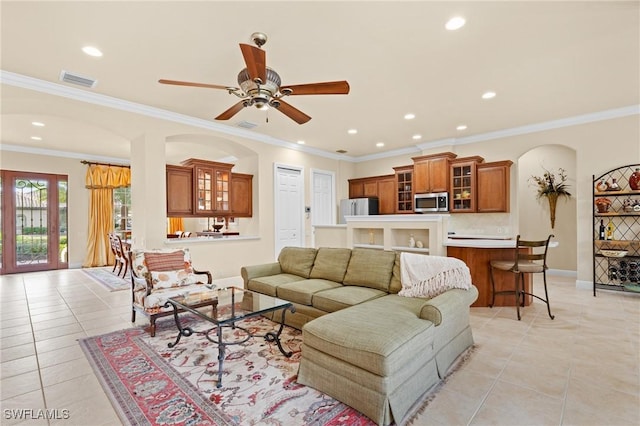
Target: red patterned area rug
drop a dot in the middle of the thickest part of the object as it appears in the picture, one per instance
(151, 384)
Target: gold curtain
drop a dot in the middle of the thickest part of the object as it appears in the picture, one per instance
(100, 180)
(175, 224)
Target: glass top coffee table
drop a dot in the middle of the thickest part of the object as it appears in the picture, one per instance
(233, 305)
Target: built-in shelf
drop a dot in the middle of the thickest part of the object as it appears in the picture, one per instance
(411, 249)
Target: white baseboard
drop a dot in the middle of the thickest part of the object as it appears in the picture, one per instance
(562, 272)
(236, 281)
(584, 285)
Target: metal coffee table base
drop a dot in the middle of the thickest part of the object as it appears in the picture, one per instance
(217, 339)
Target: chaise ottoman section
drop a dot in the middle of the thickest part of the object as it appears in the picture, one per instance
(376, 357)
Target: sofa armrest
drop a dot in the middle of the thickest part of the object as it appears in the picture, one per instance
(448, 303)
(250, 272)
(140, 284)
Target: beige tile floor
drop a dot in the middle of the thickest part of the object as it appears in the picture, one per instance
(580, 369)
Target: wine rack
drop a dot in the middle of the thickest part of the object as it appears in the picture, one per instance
(616, 206)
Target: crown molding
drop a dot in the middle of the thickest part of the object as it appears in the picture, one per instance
(25, 82)
(18, 80)
(63, 154)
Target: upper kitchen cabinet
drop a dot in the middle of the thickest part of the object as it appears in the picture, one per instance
(404, 188)
(206, 188)
(493, 186)
(179, 191)
(241, 195)
(212, 186)
(463, 184)
(431, 172)
(382, 187)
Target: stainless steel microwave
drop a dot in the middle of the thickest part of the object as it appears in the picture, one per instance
(432, 202)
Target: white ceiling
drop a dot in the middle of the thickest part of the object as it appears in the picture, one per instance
(545, 60)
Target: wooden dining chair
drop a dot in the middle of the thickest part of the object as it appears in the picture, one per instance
(121, 254)
(530, 257)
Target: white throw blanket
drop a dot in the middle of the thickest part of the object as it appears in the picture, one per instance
(429, 276)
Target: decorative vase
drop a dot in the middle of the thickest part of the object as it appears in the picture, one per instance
(553, 201)
(602, 186)
(634, 180)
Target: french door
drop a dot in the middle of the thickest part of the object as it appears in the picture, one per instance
(34, 222)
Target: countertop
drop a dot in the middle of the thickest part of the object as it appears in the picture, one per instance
(485, 243)
(226, 238)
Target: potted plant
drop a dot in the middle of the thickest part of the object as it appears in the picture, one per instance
(552, 188)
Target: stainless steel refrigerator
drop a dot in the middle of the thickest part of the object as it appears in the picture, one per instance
(358, 207)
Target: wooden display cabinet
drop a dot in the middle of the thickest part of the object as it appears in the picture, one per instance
(431, 172)
(212, 186)
(463, 184)
(404, 187)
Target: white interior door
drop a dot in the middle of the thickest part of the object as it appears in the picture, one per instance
(323, 200)
(289, 201)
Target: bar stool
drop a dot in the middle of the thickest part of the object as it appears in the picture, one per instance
(529, 259)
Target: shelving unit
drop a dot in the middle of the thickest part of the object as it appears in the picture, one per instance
(617, 273)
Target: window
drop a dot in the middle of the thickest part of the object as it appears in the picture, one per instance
(122, 210)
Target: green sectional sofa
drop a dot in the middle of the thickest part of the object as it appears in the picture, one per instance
(363, 344)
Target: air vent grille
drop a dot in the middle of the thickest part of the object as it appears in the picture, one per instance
(72, 78)
(246, 125)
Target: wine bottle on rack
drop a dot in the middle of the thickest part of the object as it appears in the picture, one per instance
(602, 229)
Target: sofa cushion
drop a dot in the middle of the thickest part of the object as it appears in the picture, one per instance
(268, 285)
(177, 278)
(344, 296)
(396, 277)
(380, 336)
(302, 291)
(297, 260)
(331, 263)
(370, 268)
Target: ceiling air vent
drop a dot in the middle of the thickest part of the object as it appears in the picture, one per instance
(78, 80)
(246, 125)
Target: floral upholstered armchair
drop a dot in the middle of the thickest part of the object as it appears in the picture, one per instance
(157, 275)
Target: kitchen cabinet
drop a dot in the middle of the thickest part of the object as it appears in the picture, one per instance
(616, 255)
(241, 195)
(431, 172)
(179, 191)
(404, 189)
(387, 195)
(207, 188)
(356, 188)
(493, 186)
(212, 187)
(382, 187)
(463, 184)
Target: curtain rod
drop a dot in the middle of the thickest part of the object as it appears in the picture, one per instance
(103, 164)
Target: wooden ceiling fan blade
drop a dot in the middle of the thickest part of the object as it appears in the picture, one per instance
(293, 113)
(231, 111)
(256, 60)
(326, 88)
(191, 84)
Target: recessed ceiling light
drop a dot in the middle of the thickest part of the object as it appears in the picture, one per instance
(455, 23)
(488, 95)
(37, 124)
(462, 127)
(352, 131)
(416, 137)
(92, 51)
(409, 116)
(380, 144)
(36, 138)
(300, 142)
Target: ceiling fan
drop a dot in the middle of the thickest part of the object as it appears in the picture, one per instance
(261, 86)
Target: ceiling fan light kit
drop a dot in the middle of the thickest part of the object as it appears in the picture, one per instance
(260, 85)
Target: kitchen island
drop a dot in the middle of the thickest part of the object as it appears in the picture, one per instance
(477, 253)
